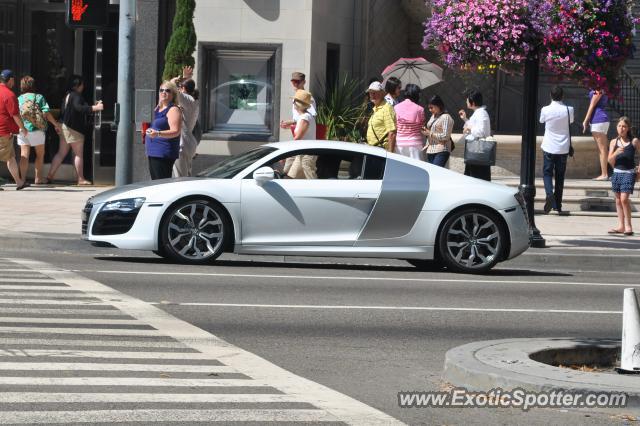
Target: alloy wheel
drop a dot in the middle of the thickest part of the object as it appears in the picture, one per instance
(473, 241)
(195, 231)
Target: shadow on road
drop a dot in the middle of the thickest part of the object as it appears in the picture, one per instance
(326, 266)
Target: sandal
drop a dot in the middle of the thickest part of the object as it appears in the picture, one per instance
(45, 181)
(85, 183)
(23, 186)
(601, 178)
(628, 233)
(615, 231)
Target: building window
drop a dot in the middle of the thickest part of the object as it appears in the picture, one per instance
(241, 91)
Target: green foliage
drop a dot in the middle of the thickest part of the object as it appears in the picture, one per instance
(182, 44)
(342, 110)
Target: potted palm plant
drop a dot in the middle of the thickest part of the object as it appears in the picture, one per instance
(341, 110)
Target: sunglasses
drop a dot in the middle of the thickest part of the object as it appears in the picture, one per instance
(164, 90)
(296, 81)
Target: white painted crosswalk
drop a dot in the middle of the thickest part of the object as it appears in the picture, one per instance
(73, 350)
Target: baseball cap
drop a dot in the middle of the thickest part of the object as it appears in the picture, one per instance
(376, 86)
(6, 74)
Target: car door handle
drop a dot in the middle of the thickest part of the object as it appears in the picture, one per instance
(366, 196)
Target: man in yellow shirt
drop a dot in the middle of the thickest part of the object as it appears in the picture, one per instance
(382, 123)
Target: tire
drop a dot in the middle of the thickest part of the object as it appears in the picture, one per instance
(471, 241)
(194, 232)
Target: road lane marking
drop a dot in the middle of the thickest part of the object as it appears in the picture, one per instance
(92, 343)
(260, 376)
(88, 312)
(33, 397)
(74, 353)
(166, 415)
(52, 320)
(90, 331)
(388, 308)
(86, 366)
(471, 281)
(162, 368)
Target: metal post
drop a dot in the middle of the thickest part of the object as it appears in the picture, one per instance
(124, 109)
(528, 156)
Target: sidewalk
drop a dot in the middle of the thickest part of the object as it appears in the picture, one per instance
(56, 210)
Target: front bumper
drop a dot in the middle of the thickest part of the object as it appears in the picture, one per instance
(127, 231)
(519, 230)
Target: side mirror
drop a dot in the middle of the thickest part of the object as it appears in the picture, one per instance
(263, 174)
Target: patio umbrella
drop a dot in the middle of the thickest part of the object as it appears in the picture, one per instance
(416, 71)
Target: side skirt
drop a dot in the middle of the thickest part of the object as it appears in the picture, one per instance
(421, 252)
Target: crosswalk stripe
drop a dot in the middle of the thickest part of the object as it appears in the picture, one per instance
(44, 293)
(92, 331)
(62, 353)
(52, 320)
(52, 302)
(26, 280)
(62, 311)
(129, 381)
(128, 416)
(51, 288)
(67, 397)
(92, 343)
(85, 366)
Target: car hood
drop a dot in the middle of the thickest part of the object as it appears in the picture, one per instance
(113, 193)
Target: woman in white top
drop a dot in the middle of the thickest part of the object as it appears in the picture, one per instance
(302, 166)
(476, 127)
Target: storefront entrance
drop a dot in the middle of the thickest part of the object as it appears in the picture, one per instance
(34, 40)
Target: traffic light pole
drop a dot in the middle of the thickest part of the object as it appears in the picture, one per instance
(124, 107)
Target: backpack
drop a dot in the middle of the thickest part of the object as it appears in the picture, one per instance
(30, 111)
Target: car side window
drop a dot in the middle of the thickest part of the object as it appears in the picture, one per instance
(374, 167)
(321, 164)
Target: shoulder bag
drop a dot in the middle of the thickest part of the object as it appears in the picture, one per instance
(571, 151)
(480, 152)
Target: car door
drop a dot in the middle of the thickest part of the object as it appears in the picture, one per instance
(329, 209)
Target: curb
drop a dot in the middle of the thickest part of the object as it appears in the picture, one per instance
(507, 364)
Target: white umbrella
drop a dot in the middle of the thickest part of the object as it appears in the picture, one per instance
(416, 71)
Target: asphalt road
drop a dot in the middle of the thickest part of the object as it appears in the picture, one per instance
(367, 330)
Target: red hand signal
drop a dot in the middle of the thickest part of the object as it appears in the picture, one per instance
(77, 9)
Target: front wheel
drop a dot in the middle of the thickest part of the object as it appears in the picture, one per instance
(471, 241)
(194, 231)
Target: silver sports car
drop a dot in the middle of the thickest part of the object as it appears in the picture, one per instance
(344, 199)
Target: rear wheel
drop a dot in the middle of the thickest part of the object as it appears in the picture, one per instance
(471, 241)
(194, 231)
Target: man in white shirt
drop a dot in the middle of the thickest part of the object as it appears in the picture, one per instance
(555, 146)
(298, 80)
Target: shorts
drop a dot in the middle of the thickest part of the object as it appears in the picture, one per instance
(6, 148)
(414, 152)
(623, 182)
(600, 127)
(35, 138)
(72, 136)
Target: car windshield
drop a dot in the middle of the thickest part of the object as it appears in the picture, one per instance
(231, 166)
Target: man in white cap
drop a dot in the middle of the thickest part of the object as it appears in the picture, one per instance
(382, 123)
(10, 124)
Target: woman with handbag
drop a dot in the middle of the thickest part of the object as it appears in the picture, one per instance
(622, 151)
(74, 117)
(438, 132)
(410, 118)
(477, 126)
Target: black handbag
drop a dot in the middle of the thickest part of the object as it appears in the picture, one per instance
(480, 152)
(571, 150)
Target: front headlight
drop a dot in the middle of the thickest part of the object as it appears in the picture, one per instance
(126, 205)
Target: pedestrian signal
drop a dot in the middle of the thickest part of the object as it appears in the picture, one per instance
(87, 14)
